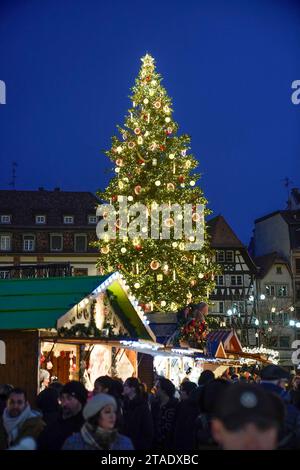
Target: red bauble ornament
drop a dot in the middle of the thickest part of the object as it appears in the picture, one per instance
(119, 266)
(141, 162)
(162, 148)
(114, 198)
(148, 78)
(138, 247)
(181, 179)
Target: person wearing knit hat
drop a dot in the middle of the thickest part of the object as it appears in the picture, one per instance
(75, 389)
(73, 397)
(99, 430)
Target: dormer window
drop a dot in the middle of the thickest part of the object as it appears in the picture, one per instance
(68, 219)
(5, 219)
(92, 219)
(40, 219)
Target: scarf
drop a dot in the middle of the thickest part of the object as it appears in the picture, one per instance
(12, 425)
(98, 437)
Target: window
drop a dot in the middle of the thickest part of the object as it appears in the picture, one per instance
(80, 243)
(220, 256)
(28, 242)
(282, 291)
(284, 342)
(270, 290)
(5, 219)
(273, 316)
(230, 256)
(236, 280)
(297, 288)
(240, 307)
(278, 270)
(68, 219)
(274, 341)
(92, 219)
(56, 242)
(80, 272)
(220, 280)
(40, 219)
(5, 242)
(297, 265)
(221, 307)
(4, 274)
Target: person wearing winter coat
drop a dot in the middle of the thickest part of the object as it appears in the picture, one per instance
(188, 410)
(19, 424)
(47, 403)
(274, 379)
(99, 429)
(5, 390)
(73, 397)
(164, 411)
(138, 423)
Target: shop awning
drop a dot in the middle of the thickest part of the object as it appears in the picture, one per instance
(41, 303)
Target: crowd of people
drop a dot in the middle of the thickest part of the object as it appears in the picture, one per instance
(245, 410)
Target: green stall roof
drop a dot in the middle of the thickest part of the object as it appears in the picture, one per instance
(39, 303)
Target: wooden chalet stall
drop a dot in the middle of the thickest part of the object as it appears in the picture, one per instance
(223, 349)
(76, 327)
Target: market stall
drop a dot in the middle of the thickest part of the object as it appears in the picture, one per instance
(75, 327)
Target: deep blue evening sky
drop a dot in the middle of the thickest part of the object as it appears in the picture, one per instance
(228, 65)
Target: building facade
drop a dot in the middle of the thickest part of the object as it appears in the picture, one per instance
(276, 249)
(42, 228)
(234, 286)
(275, 305)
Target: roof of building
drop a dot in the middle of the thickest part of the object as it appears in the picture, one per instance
(40, 302)
(163, 325)
(290, 217)
(215, 337)
(296, 195)
(266, 262)
(222, 235)
(25, 205)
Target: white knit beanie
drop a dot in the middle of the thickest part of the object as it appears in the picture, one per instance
(96, 403)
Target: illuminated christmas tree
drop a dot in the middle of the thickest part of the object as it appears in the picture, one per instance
(154, 167)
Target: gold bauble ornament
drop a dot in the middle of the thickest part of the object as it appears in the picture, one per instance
(154, 265)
